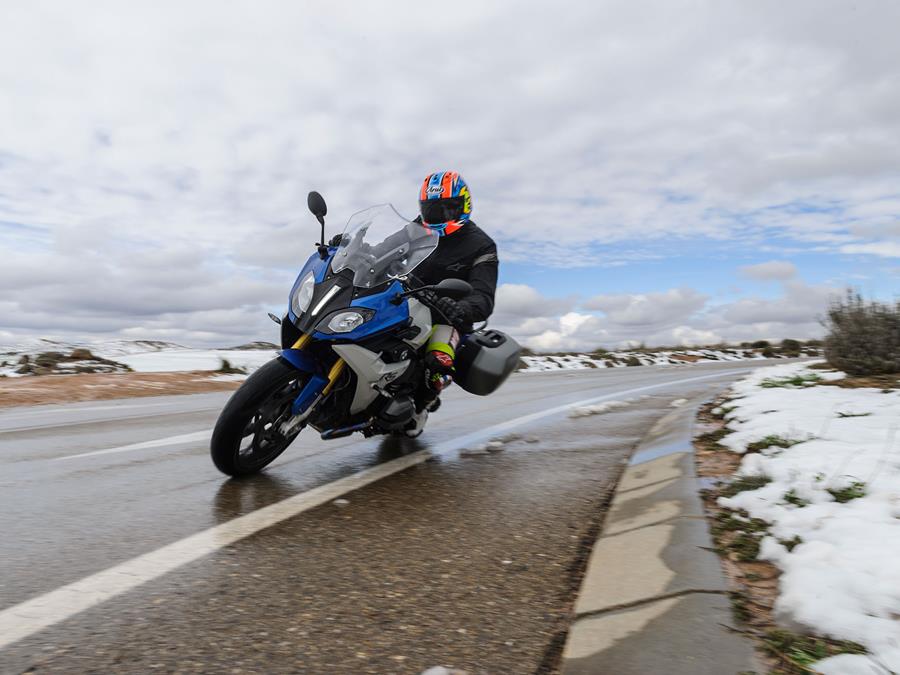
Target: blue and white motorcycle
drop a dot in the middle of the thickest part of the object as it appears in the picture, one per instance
(353, 342)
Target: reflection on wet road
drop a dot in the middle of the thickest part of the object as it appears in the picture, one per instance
(460, 559)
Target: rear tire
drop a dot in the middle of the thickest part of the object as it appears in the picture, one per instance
(247, 435)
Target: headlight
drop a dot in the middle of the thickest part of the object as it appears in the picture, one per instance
(345, 322)
(303, 295)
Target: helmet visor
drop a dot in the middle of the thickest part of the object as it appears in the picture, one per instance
(437, 211)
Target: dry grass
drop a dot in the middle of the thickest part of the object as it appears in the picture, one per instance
(737, 538)
(883, 382)
(17, 391)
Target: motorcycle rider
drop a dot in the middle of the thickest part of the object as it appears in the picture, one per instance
(464, 252)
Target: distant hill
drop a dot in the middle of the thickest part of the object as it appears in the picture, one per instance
(256, 345)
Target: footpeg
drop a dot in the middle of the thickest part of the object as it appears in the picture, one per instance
(340, 432)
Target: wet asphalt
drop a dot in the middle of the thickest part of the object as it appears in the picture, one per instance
(470, 560)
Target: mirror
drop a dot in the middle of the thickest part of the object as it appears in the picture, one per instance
(453, 288)
(316, 204)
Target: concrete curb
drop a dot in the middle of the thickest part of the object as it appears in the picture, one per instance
(654, 598)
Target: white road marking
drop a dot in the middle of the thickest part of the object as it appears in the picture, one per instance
(28, 617)
(204, 435)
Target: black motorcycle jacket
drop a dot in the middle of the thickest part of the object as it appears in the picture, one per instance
(471, 255)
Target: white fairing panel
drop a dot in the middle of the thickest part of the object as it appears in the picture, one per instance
(421, 317)
(371, 373)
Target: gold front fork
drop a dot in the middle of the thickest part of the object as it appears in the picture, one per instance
(334, 374)
(336, 369)
(301, 342)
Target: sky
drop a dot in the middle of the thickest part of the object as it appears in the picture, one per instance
(665, 172)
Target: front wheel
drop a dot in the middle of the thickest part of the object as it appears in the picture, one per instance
(248, 436)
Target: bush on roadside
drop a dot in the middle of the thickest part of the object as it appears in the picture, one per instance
(863, 337)
(790, 347)
(227, 369)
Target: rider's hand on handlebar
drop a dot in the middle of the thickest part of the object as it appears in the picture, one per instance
(452, 311)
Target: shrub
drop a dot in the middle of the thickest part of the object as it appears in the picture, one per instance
(791, 497)
(743, 484)
(228, 369)
(632, 361)
(771, 441)
(855, 490)
(768, 352)
(790, 347)
(807, 380)
(760, 344)
(863, 337)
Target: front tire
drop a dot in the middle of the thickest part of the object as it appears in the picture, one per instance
(247, 436)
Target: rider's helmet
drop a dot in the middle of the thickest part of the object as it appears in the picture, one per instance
(445, 202)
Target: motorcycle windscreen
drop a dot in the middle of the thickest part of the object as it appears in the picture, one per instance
(379, 244)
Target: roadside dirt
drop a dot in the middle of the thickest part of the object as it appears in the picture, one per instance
(101, 386)
(737, 538)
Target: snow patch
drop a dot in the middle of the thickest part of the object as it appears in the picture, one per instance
(597, 409)
(166, 360)
(843, 579)
(622, 359)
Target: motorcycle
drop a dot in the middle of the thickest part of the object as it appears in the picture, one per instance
(353, 342)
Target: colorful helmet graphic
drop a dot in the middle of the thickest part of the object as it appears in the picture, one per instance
(445, 202)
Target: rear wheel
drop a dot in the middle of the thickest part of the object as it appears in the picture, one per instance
(248, 435)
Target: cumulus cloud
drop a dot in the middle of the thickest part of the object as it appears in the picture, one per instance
(799, 304)
(679, 316)
(648, 309)
(522, 300)
(774, 270)
(165, 150)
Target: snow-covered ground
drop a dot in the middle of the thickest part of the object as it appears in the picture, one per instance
(837, 488)
(154, 356)
(196, 359)
(141, 355)
(685, 357)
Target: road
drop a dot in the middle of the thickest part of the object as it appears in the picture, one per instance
(126, 551)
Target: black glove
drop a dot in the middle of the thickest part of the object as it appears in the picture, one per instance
(453, 312)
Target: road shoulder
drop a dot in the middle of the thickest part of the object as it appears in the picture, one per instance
(654, 598)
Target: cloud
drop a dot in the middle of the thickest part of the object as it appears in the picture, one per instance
(884, 249)
(521, 300)
(648, 309)
(195, 132)
(800, 305)
(774, 270)
(679, 316)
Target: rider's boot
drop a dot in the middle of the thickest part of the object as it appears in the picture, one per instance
(417, 425)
